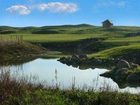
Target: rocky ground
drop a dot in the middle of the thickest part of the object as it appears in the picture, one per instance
(120, 70)
(125, 71)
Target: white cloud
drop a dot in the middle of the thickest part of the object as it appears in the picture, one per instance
(55, 7)
(19, 9)
(58, 7)
(110, 3)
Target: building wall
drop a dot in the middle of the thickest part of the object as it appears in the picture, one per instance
(107, 25)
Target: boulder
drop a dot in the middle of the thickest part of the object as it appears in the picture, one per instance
(121, 71)
(123, 64)
(83, 56)
(134, 77)
(133, 65)
(121, 74)
(75, 57)
(62, 59)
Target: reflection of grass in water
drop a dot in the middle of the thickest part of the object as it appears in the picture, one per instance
(22, 91)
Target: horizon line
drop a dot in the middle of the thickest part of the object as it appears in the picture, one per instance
(67, 25)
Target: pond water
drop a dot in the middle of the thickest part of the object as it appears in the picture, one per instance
(53, 72)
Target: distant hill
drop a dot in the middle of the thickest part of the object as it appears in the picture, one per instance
(44, 29)
(70, 29)
(7, 30)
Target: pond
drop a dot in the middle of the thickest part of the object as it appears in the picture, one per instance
(53, 72)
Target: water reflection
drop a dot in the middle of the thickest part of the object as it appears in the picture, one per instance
(53, 72)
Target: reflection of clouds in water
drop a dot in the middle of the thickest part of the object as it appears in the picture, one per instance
(131, 90)
(67, 76)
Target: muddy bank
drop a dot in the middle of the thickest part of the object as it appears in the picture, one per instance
(13, 52)
(85, 46)
(85, 62)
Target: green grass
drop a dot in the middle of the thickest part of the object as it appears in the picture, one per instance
(118, 51)
(75, 32)
(51, 37)
(117, 44)
(20, 91)
(117, 40)
(135, 39)
(18, 52)
(56, 37)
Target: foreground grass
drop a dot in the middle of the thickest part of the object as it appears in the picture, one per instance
(20, 91)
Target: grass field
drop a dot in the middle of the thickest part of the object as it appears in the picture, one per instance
(72, 37)
(118, 51)
(121, 36)
(72, 33)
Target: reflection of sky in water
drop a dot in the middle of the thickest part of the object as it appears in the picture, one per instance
(45, 70)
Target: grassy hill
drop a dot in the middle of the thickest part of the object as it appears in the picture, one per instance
(46, 29)
(69, 38)
(70, 29)
(130, 53)
(18, 52)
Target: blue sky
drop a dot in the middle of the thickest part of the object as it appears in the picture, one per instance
(59, 12)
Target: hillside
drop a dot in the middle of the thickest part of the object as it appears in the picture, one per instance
(83, 38)
(15, 52)
(68, 29)
(43, 29)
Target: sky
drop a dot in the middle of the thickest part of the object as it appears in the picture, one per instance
(22, 13)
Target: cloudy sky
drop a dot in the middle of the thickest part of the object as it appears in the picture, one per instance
(59, 12)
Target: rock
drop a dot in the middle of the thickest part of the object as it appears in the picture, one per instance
(133, 65)
(121, 71)
(75, 57)
(83, 67)
(78, 57)
(83, 56)
(106, 74)
(123, 64)
(134, 77)
(121, 74)
(62, 59)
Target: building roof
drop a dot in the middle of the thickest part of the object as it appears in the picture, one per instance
(107, 21)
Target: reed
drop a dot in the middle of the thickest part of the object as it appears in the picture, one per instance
(18, 89)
